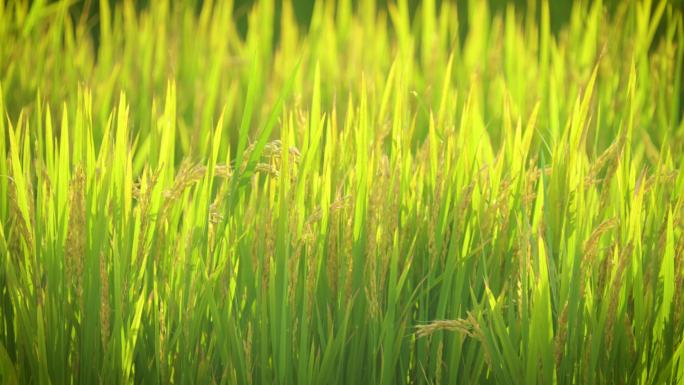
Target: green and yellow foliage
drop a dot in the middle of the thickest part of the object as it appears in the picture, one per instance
(381, 196)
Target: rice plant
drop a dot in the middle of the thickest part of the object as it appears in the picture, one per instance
(383, 194)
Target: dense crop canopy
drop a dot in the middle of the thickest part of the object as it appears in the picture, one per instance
(381, 195)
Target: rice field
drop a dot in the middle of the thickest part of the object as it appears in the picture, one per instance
(196, 192)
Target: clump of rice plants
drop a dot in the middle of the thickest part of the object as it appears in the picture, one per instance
(381, 195)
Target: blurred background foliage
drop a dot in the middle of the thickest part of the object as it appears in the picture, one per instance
(207, 49)
(303, 9)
